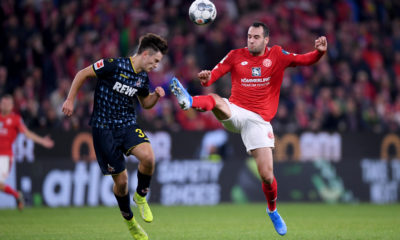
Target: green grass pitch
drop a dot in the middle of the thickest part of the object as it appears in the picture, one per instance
(221, 222)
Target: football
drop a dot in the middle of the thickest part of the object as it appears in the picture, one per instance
(202, 12)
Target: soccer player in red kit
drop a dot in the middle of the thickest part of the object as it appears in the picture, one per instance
(256, 75)
(10, 125)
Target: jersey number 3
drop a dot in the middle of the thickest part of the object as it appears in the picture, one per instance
(140, 132)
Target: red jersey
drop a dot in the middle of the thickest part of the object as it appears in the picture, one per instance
(256, 80)
(10, 126)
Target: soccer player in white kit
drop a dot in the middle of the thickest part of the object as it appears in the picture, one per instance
(256, 75)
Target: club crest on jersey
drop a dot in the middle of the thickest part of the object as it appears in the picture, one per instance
(138, 83)
(99, 64)
(256, 71)
(267, 62)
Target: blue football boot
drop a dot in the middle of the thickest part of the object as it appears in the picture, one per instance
(184, 98)
(279, 224)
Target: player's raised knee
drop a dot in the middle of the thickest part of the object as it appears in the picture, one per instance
(215, 96)
(218, 100)
(147, 160)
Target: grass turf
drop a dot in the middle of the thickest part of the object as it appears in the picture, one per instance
(222, 222)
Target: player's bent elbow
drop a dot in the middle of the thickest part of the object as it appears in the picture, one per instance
(147, 106)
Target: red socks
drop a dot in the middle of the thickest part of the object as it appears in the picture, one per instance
(205, 103)
(271, 193)
(9, 190)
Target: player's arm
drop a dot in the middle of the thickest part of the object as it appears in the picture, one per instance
(151, 99)
(80, 78)
(321, 45)
(46, 141)
(207, 77)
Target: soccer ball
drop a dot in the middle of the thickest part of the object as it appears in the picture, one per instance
(202, 12)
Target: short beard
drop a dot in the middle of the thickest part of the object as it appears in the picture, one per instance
(255, 52)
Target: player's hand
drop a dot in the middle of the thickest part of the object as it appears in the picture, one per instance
(159, 91)
(68, 107)
(204, 76)
(47, 142)
(321, 44)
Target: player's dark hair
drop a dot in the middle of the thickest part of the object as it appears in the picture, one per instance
(265, 28)
(7, 96)
(153, 42)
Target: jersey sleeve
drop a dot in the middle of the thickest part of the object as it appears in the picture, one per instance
(20, 125)
(292, 59)
(224, 66)
(104, 67)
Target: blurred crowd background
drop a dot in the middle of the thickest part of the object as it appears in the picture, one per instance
(355, 86)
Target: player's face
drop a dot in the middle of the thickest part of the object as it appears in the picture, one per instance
(151, 60)
(256, 42)
(6, 105)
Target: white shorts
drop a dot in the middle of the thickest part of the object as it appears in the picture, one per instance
(255, 131)
(5, 164)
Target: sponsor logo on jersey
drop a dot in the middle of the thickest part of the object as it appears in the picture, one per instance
(267, 62)
(256, 71)
(244, 63)
(255, 80)
(99, 64)
(124, 89)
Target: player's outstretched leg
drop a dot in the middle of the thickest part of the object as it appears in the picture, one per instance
(144, 208)
(184, 98)
(20, 201)
(136, 230)
(279, 224)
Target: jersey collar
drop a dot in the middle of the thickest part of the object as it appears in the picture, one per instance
(133, 67)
